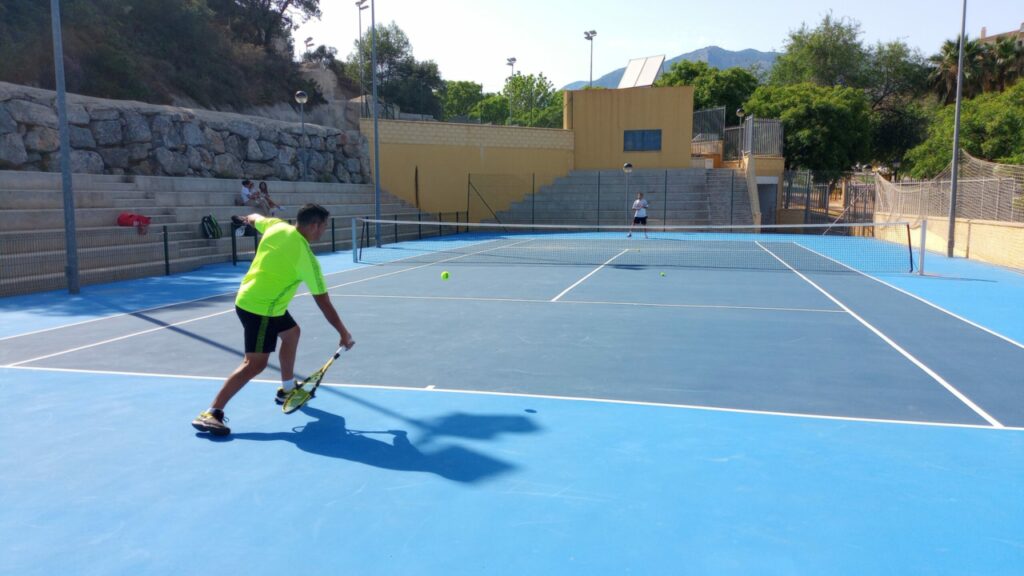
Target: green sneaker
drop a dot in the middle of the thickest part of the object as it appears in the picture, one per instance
(212, 421)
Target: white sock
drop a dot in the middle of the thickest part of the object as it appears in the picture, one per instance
(288, 384)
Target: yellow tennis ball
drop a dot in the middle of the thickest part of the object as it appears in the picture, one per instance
(662, 273)
(444, 275)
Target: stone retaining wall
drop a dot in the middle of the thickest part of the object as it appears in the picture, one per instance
(127, 137)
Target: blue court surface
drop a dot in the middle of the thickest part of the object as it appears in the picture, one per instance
(614, 416)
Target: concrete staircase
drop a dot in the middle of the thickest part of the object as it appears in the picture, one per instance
(32, 243)
(677, 197)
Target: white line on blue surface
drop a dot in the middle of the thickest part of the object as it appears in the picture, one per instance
(433, 388)
(593, 302)
(592, 272)
(916, 297)
(952, 389)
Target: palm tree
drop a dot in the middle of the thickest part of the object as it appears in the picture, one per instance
(1008, 56)
(944, 70)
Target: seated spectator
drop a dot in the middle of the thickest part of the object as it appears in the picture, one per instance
(252, 198)
(264, 194)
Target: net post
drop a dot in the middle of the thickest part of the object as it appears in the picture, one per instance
(396, 228)
(598, 197)
(234, 248)
(440, 229)
(924, 246)
(419, 227)
(664, 203)
(333, 241)
(355, 240)
(167, 252)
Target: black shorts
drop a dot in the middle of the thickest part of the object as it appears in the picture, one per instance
(261, 331)
(640, 220)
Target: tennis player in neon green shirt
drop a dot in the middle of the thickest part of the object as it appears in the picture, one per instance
(283, 261)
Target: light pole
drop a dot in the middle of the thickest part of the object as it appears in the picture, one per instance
(70, 240)
(627, 168)
(589, 35)
(361, 5)
(739, 144)
(954, 175)
(376, 130)
(510, 62)
(301, 97)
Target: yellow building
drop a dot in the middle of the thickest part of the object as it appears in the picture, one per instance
(431, 164)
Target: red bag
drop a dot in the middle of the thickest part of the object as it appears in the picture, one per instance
(137, 220)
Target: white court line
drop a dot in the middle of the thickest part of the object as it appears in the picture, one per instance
(592, 302)
(433, 389)
(108, 341)
(920, 299)
(141, 332)
(142, 310)
(592, 272)
(952, 390)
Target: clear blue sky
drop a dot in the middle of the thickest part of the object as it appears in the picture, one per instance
(471, 39)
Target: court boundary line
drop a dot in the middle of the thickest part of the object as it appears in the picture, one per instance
(433, 388)
(592, 272)
(935, 376)
(922, 300)
(147, 331)
(594, 302)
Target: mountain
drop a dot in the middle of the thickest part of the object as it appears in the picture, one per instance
(713, 55)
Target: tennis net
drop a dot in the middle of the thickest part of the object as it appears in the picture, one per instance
(826, 248)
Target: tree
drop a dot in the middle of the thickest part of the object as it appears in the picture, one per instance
(402, 80)
(415, 86)
(529, 95)
(552, 115)
(826, 129)
(829, 55)
(493, 109)
(712, 87)
(1008, 59)
(945, 64)
(460, 97)
(896, 77)
(261, 22)
(991, 127)
(895, 74)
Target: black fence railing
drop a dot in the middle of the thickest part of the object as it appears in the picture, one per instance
(37, 261)
(709, 125)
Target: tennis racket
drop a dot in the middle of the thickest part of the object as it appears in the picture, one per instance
(306, 389)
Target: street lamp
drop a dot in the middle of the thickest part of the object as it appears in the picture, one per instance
(589, 35)
(627, 168)
(510, 62)
(301, 97)
(361, 5)
(739, 145)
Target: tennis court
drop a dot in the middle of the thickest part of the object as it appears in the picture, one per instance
(566, 402)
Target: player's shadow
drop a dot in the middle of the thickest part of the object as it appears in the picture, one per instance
(329, 436)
